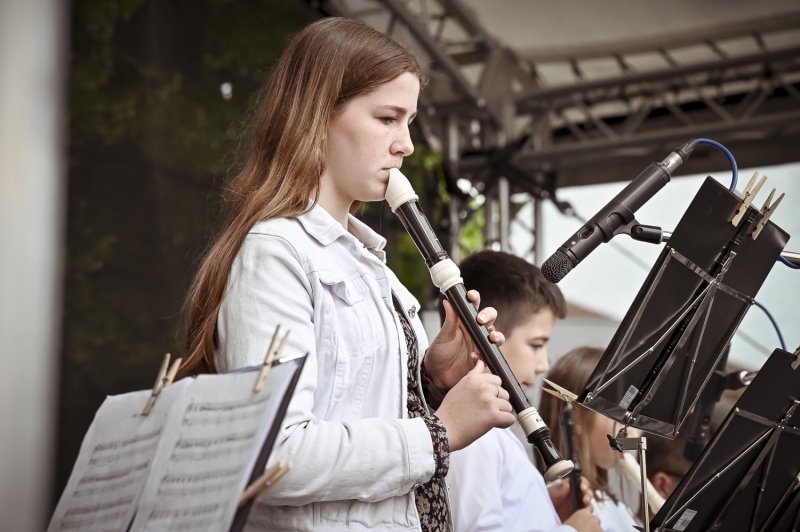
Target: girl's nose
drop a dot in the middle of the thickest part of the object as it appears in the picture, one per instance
(403, 145)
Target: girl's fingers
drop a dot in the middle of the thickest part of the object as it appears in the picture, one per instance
(487, 316)
(497, 337)
(505, 406)
(477, 356)
(450, 317)
(478, 368)
(494, 380)
(498, 391)
(560, 490)
(475, 297)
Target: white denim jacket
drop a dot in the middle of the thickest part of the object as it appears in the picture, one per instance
(356, 455)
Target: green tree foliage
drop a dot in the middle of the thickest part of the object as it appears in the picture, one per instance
(151, 141)
(151, 72)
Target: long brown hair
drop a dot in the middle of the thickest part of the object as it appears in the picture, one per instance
(571, 372)
(325, 65)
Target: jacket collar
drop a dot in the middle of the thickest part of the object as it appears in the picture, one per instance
(326, 230)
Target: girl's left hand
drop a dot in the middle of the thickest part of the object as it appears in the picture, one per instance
(560, 496)
(449, 357)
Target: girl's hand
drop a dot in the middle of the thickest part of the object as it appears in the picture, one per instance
(448, 358)
(560, 496)
(584, 521)
(475, 405)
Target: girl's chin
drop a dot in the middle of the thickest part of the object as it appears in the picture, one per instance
(372, 199)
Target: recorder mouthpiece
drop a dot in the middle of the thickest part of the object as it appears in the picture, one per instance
(399, 189)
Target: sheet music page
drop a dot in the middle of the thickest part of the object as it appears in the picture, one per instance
(208, 451)
(112, 466)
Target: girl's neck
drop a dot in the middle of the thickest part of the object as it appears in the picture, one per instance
(334, 203)
(339, 212)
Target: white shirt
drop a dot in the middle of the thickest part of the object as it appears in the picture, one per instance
(614, 516)
(494, 486)
(356, 456)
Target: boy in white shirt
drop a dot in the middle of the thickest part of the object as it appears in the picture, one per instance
(493, 484)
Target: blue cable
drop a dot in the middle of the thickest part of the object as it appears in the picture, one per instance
(729, 155)
(774, 323)
(734, 180)
(789, 263)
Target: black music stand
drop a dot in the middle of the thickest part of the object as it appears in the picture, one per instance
(685, 314)
(748, 477)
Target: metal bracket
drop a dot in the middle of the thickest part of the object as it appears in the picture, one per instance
(623, 443)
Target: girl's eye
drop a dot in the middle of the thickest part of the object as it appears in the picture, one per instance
(388, 119)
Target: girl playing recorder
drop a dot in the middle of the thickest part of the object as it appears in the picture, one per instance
(591, 430)
(366, 451)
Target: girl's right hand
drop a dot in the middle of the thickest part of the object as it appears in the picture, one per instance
(472, 407)
(560, 496)
(584, 521)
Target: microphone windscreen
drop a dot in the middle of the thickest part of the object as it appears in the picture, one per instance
(556, 267)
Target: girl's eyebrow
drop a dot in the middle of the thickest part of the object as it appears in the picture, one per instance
(398, 109)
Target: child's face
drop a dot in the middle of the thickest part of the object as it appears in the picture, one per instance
(525, 348)
(368, 138)
(598, 427)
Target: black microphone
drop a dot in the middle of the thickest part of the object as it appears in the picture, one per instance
(616, 216)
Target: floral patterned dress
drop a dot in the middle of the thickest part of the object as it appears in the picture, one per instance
(431, 497)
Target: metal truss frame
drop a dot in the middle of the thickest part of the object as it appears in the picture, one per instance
(483, 97)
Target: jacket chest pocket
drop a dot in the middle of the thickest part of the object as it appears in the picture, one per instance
(359, 337)
(354, 315)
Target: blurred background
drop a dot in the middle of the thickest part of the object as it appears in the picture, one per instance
(120, 122)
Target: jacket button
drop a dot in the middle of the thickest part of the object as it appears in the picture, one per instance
(412, 312)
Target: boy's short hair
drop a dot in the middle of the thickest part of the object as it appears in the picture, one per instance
(513, 286)
(666, 456)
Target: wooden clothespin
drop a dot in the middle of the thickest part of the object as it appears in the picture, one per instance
(750, 193)
(273, 354)
(261, 486)
(766, 212)
(164, 378)
(563, 393)
(554, 393)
